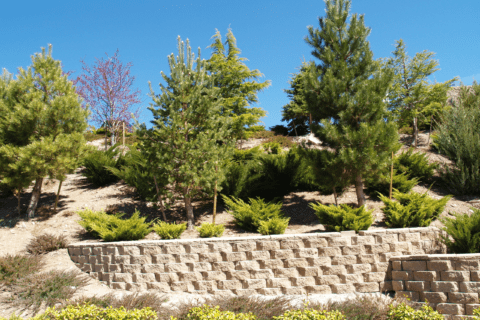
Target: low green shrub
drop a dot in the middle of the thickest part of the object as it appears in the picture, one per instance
(272, 147)
(404, 312)
(464, 231)
(343, 217)
(113, 227)
(206, 312)
(273, 226)
(14, 267)
(415, 165)
(46, 243)
(169, 230)
(412, 209)
(97, 164)
(92, 312)
(248, 216)
(209, 230)
(406, 130)
(309, 314)
(401, 182)
(47, 288)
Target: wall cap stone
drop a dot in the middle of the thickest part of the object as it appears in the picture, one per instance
(424, 257)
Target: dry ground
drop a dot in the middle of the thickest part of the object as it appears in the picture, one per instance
(16, 232)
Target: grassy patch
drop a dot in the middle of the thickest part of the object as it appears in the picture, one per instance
(46, 243)
(14, 267)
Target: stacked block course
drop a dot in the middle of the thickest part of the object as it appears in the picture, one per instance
(449, 282)
(269, 265)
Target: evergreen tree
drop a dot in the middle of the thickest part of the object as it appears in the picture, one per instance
(411, 97)
(41, 125)
(238, 85)
(346, 91)
(189, 136)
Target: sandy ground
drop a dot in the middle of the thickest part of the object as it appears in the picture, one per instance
(76, 194)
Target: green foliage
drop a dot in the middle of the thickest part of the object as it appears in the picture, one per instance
(46, 243)
(412, 209)
(464, 231)
(273, 226)
(112, 227)
(238, 85)
(14, 267)
(206, 312)
(343, 217)
(284, 142)
(311, 314)
(135, 171)
(272, 147)
(209, 230)
(382, 184)
(404, 312)
(458, 137)
(241, 173)
(97, 164)
(248, 216)
(169, 230)
(415, 165)
(92, 312)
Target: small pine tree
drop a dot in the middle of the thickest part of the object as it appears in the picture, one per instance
(189, 138)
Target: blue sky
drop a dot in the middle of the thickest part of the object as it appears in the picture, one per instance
(269, 33)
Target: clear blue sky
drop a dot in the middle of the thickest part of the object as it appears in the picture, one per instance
(269, 33)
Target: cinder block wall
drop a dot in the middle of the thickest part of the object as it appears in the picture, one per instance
(449, 282)
(269, 265)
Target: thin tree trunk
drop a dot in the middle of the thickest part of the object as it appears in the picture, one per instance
(335, 196)
(18, 194)
(310, 123)
(37, 190)
(189, 210)
(359, 190)
(215, 199)
(391, 179)
(58, 194)
(430, 129)
(123, 130)
(105, 139)
(415, 131)
(295, 128)
(159, 198)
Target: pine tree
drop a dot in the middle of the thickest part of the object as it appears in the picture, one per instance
(42, 125)
(346, 91)
(189, 136)
(411, 97)
(238, 85)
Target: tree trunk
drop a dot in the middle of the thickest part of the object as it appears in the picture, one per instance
(105, 139)
(295, 128)
(37, 190)
(215, 199)
(189, 210)
(430, 130)
(310, 123)
(391, 179)
(359, 190)
(335, 196)
(159, 198)
(58, 194)
(18, 194)
(415, 131)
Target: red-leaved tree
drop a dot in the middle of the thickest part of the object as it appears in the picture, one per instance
(107, 88)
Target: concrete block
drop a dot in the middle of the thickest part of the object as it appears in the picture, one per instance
(359, 268)
(451, 308)
(381, 267)
(164, 258)
(318, 289)
(409, 237)
(359, 240)
(271, 264)
(234, 256)
(434, 297)
(397, 265)
(439, 265)
(470, 307)
(302, 281)
(136, 286)
(220, 247)
(320, 261)
(470, 286)
(291, 244)
(196, 248)
(351, 278)
(97, 251)
(343, 288)
(238, 275)
(296, 263)
(327, 280)
(286, 273)
(385, 257)
(247, 265)
(398, 285)
(412, 295)
(261, 274)
(444, 286)
(315, 243)
(455, 275)
(118, 285)
(129, 250)
(294, 290)
(166, 277)
(417, 285)
(114, 268)
(229, 284)
(334, 270)
(223, 266)
(123, 277)
(176, 267)
(190, 276)
(386, 238)
(254, 283)
(374, 276)
(187, 257)
(462, 297)
(414, 265)
(344, 260)
(151, 250)
(244, 292)
(306, 253)
(270, 291)
(243, 246)
(153, 268)
(339, 242)
(367, 258)
(282, 254)
(426, 276)
(268, 245)
(143, 277)
(174, 249)
(474, 275)
(279, 283)
(258, 255)
(200, 266)
(214, 275)
(86, 251)
(467, 265)
(208, 286)
(184, 286)
(210, 257)
(160, 286)
(367, 287)
(132, 268)
(402, 275)
(329, 252)
(309, 271)
(353, 250)
(386, 286)
(401, 247)
(377, 248)
(134, 259)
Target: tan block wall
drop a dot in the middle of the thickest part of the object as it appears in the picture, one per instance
(337, 262)
(449, 282)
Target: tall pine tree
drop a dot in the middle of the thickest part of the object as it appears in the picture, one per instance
(347, 90)
(42, 125)
(189, 136)
(238, 85)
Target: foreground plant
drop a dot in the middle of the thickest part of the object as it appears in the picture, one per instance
(405, 312)
(343, 217)
(463, 232)
(14, 267)
(208, 230)
(46, 243)
(169, 230)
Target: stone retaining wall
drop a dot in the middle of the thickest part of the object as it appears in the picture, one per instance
(269, 265)
(449, 282)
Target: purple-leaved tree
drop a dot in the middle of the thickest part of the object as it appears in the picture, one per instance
(107, 88)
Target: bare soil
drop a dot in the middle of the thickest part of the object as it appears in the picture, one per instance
(77, 193)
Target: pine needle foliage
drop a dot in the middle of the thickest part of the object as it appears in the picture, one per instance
(273, 226)
(248, 216)
(415, 165)
(169, 230)
(400, 182)
(463, 232)
(112, 227)
(209, 230)
(343, 217)
(97, 164)
(412, 209)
